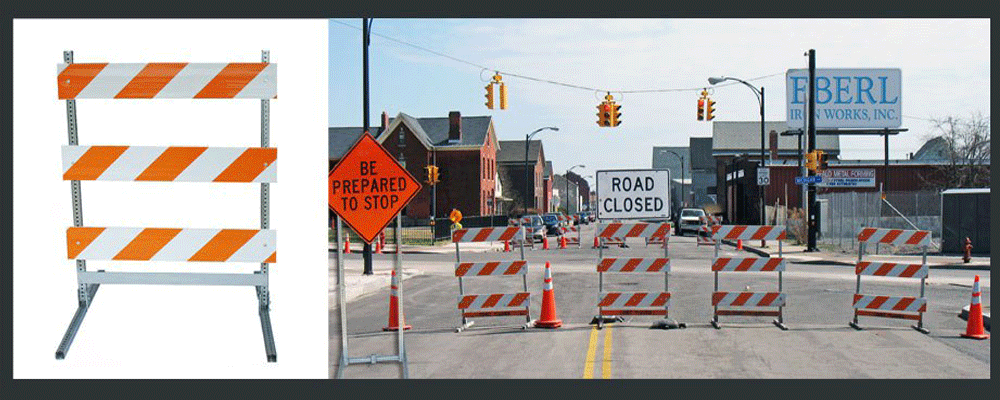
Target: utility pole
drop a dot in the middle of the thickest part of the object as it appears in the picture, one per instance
(813, 209)
(366, 254)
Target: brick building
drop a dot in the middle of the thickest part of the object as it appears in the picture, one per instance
(510, 163)
(463, 148)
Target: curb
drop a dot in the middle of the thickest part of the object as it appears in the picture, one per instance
(964, 315)
(962, 266)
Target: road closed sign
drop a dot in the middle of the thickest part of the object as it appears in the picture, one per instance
(368, 187)
(633, 194)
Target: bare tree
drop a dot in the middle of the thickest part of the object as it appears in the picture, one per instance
(966, 151)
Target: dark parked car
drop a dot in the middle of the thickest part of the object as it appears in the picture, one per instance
(552, 224)
(582, 217)
(537, 227)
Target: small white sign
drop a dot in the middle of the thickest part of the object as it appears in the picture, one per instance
(763, 176)
(846, 98)
(844, 177)
(633, 194)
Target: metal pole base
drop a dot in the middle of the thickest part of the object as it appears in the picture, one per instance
(920, 329)
(780, 324)
(600, 320)
(715, 324)
(464, 326)
(529, 324)
(667, 323)
(855, 325)
(265, 325)
(74, 324)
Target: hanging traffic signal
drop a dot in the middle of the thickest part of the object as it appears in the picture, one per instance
(489, 95)
(701, 108)
(615, 114)
(503, 96)
(821, 160)
(432, 174)
(709, 109)
(811, 161)
(603, 114)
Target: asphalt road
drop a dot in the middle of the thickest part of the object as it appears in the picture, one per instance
(818, 344)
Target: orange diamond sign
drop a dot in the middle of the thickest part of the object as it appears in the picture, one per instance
(368, 187)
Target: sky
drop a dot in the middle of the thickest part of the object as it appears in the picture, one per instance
(945, 67)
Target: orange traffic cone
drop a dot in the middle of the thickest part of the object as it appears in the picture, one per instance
(548, 318)
(506, 246)
(562, 242)
(347, 244)
(394, 316)
(378, 246)
(739, 244)
(597, 243)
(974, 328)
(545, 242)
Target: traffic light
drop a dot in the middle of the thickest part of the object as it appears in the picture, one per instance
(615, 114)
(709, 109)
(432, 174)
(821, 160)
(701, 108)
(811, 161)
(503, 96)
(489, 95)
(603, 114)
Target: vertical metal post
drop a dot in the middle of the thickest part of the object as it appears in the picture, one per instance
(366, 251)
(524, 235)
(264, 291)
(857, 285)
(715, 308)
(923, 261)
(461, 290)
(813, 210)
(398, 266)
(781, 309)
(342, 302)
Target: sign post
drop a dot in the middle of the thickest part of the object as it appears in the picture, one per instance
(367, 188)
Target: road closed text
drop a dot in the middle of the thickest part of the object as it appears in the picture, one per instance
(633, 194)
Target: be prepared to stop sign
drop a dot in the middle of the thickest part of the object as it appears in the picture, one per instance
(369, 191)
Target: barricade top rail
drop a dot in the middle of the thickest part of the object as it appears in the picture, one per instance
(167, 80)
(484, 234)
(491, 268)
(748, 232)
(895, 237)
(625, 265)
(748, 264)
(891, 269)
(170, 164)
(633, 229)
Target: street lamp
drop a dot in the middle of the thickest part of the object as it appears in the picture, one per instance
(683, 193)
(527, 138)
(566, 178)
(760, 99)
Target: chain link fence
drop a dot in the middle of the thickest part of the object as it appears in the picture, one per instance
(843, 214)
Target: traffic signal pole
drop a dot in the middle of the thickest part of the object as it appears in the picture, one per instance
(366, 254)
(813, 209)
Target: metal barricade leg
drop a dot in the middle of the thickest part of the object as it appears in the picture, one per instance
(857, 290)
(74, 324)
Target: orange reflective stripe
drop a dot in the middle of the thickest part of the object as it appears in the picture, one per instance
(145, 245)
(223, 245)
(866, 234)
(230, 81)
(78, 238)
(609, 299)
(488, 268)
(248, 165)
(171, 163)
(93, 163)
(148, 82)
(917, 237)
(492, 300)
(891, 236)
(768, 299)
(75, 77)
(272, 259)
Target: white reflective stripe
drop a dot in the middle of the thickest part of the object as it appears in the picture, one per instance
(896, 271)
(190, 80)
(976, 299)
(758, 263)
(476, 268)
(891, 302)
(111, 80)
(131, 163)
(109, 243)
(71, 154)
(60, 67)
(262, 86)
(505, 299)
(258, 248)
(210, 164)
(904, 236)
(269, 174)
(185, 244)
(644, 263)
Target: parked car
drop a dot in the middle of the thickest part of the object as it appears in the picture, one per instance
(537, 226)
(690, 220)
(582, 217)
(552, 224)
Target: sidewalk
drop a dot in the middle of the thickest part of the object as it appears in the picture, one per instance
(357, 285)
(797, 254)
(443, 247)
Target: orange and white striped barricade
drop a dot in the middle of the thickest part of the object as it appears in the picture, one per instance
(704, 236)
(169, 164)
(748, 303)
(611, 306)
(867, 305)
(618, 232)
(568, 233)
(658, 240)
(492, 304)
(529, 237)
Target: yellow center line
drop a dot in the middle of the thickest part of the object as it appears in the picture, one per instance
(588, 366)
(606, 364)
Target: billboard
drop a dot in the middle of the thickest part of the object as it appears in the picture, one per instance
(846, 98)
(848, 177)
